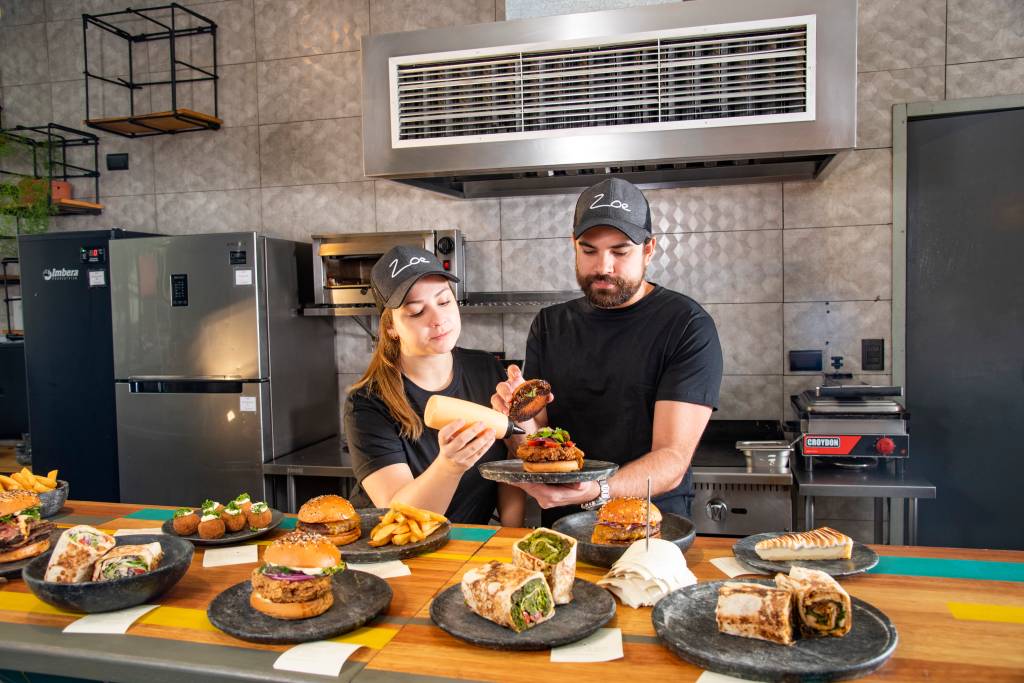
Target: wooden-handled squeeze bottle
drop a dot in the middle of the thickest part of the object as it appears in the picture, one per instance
(441, 410)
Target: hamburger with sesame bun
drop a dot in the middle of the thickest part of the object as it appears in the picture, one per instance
(550, 450)
(294, 581)
(23, 531)
(330, 516)
(621, 521)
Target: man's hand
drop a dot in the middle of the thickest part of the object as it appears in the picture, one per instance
(557, 495)
(502, 397)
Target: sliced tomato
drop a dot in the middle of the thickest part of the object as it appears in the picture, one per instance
(535, 442)
(551, 443)
(570, 444)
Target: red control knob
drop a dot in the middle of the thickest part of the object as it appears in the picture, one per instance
(885, 446)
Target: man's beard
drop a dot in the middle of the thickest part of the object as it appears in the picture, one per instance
(608, 298)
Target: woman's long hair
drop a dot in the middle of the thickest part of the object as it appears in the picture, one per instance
(383, 378)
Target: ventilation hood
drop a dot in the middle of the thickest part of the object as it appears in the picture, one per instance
(695, 93)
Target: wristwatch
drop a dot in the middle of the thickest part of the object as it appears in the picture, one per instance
(603, 497)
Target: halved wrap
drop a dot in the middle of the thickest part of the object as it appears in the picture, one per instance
(509, 596)
(752, 610)
(128, 560)
(552, 554)
(77, 551)
(822, 605)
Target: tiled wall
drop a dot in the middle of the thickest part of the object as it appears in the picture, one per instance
(780, 266)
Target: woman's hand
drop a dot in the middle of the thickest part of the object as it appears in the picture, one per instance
(461, 450)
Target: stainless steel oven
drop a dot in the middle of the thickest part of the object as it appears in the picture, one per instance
(342, 263)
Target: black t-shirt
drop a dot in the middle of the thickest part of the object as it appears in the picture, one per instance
(374, 441)
(607, 367)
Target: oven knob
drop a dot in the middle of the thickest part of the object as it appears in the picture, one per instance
(716, 510)
(885, 446)
(446, 245)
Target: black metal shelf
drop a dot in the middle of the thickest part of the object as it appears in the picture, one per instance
(57, 140)
(8, 281)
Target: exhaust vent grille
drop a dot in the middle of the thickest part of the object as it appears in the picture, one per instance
(692, 77)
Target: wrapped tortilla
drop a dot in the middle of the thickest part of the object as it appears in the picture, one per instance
(752, 610)
(822, 605)
(77, 551)
(509, 596)
(552, 554)
(128, 560)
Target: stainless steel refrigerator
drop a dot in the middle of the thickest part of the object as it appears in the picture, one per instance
(216, 371)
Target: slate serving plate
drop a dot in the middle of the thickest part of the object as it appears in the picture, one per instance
(358, 598)
(685, 622)
(276, 517)
(511, 472)
(12, 570)
(362, 552)
(107, 596)
(580, 526)
(861, 559)
(591, 608)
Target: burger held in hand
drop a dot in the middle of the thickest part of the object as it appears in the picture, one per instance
(330, 516)
(550, 450)
(23, 532)
(621, 521)
(294, 581)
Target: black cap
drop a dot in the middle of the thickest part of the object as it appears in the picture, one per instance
(399, 269)
(617, 203)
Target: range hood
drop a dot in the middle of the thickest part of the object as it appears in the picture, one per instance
(695, 93)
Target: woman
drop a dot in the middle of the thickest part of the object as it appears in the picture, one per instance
(395, 457)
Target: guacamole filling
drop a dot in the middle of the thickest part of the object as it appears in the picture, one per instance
(530, 604)
(545, 546)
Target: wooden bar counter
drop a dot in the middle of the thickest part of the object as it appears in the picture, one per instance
(959, 613)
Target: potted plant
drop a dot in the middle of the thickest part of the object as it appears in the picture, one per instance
(25, 207)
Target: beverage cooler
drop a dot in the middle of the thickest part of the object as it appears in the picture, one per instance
(216, 371)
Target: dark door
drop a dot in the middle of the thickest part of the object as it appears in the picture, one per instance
(965, 324)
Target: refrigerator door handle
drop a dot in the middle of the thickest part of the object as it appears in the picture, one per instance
(184, 386)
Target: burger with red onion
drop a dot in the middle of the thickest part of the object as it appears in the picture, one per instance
(294, 581)
(550, 450)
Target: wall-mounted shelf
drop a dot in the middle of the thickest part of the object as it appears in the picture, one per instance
(51, 145)
(177, 121)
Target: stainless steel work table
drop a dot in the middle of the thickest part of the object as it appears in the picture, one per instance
(323, 459)
(879, 483)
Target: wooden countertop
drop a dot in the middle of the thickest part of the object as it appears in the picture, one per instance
(959, 613)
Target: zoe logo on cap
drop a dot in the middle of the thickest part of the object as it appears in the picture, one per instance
(395, 270)
(616, 204)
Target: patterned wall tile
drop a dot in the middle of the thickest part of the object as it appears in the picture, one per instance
(304, 88)
(307, 210)
(721, 267)
(481, 332)
(137, 212)
(352, 346)
(829, 264)
(23, 58)
(857, 192)
(751, 337)
(68, 99)
(236, 95)
(117, 99)
(483, 266)
(27, 105)
(185, 213)
(516, 328)
(537, 265)
(236, 37)
(64, 44)
(18, 12)
(310, 152)
(983, 79)
(140, 176)
(400, 207)
(794, 384)
(877, 91)
(726, 207)
(389, 16)
(109, 52)
(60, 9)
(749, 397)
(543, 216)
(900, 35)
(837, 329)
(294, 28)
(226, 159)
(984, 29)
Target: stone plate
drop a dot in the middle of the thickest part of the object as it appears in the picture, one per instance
(362, 552)
(511, 472)
(591, 608)
(580, 526)
(51, 502)
(276, 517)
(106, 596)
(358, 598)
(685, 622)
(12, 570)
(861, 559)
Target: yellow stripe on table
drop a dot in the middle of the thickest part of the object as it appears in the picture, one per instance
(967, 611)
(28, 603)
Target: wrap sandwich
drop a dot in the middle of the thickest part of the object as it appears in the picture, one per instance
(552, 554)
(128, 560)
(822, 605)
(509, 596)
(76, 552)
(752, 610)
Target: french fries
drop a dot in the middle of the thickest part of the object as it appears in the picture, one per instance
(404, 524)
(27, 481)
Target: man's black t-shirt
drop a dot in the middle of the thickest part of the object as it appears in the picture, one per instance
(607, 367)
(374, 441)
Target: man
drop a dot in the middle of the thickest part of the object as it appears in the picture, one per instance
(635, 368)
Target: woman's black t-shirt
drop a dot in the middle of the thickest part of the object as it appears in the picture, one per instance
(374, 441)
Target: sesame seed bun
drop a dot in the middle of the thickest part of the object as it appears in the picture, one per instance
(13, 502)
(299, 549)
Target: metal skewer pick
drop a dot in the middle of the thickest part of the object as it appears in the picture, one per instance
(647, 541)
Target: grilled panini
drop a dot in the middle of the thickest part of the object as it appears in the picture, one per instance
(819, 544)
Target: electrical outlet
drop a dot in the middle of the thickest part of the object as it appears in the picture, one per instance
(872, 355)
